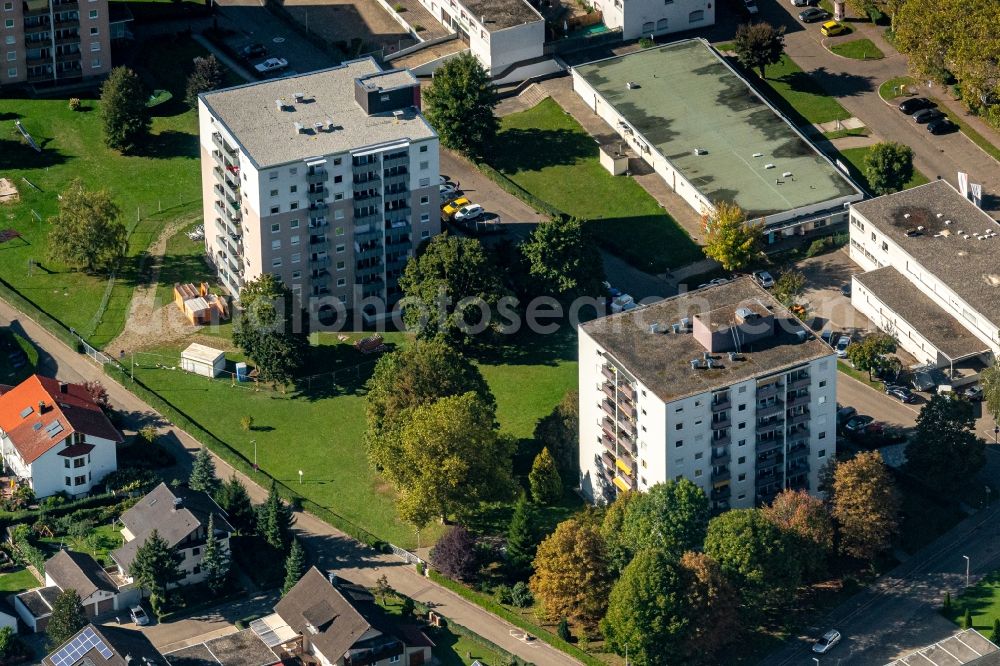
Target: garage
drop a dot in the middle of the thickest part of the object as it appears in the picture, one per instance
(203, 360)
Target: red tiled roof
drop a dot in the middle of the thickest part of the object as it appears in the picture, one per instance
(67, 409)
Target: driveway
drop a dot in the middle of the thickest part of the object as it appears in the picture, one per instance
(830, 309)
(854, 83)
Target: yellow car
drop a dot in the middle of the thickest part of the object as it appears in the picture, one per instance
(832, 29)
(449, 209)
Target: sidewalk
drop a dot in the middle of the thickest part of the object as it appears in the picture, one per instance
(329, 548)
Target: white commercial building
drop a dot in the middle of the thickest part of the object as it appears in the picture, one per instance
(500, 33)
(329, 180)
(933, 280)
(722, 386)
(652, 18)
(55, 438)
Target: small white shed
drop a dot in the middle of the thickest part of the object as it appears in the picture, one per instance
(203, 360)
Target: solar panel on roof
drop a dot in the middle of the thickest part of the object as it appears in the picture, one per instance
(27, 410)
(83, 643)
(54, 428)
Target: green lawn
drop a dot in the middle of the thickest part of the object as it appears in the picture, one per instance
(546, 152)
(98, 544)
(983, 599)
(858, 49)
(153, 187)
(320, 430)
(897, 87)
(798, 95)
(17, 581)
(855, 160)
(183, 261)
(14, 346)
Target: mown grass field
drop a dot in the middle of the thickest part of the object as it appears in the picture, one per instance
(545, 151)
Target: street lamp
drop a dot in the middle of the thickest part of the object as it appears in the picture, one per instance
(967, 561)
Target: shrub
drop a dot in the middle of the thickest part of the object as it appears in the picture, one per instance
(74, 103)
(398, 8)
(246, 423)
(503, 594)
(418, 28)
(521, 596)
(563, 630)
(646, 43)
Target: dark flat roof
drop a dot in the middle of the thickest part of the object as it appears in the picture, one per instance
(661, 361)
(924, 315)
(502, 14)
(39, 601)
(970, 268)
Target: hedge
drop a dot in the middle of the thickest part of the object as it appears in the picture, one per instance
(489, 605)
(13, 517)
(238, 461)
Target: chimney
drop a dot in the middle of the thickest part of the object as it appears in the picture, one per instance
(41, 406)
(178, 503)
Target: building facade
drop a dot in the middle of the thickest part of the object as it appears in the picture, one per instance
(328, 180)
(932, 279)
(721, 386)
(652, 18)
(55, 438)
(56, 42)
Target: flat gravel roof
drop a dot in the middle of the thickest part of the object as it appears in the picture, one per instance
(502, 14)
(687, 98)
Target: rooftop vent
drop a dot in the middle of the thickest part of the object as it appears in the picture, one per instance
(700, 151)
(632, 85)
(787, 174)
(317, 126)
(745, 314)
(947, 221)
(906, 216)
(676, 327)
(299, 96)
(758, 154)
(686, 323)
(178, 502)
(769, 165)
(707, 356)
(939, 215)
(299, 128)
(329, 124)
(695, 364)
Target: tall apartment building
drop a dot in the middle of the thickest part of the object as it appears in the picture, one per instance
(722, 386)
(328, 180)
(54, 42)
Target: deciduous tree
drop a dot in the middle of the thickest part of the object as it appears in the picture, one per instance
(207, 75)
(807, 518)
(756, 555)
(459, 104)
(88, 231)
(559, 431)
(865, 506)
(453, 290)
(235, 500)
(730, 238)
(265, 329)
(451, 459)
(546, 486)
(563, 258)
(613, 531)
(945, 452)
(713, 606)
(888, 167)
(215, 560)
(454, 554)
(203, 473)
(671, 517)
(67, 617)
(758, 45)
(989, 380)
(123, 110)
(96, 391)
(155, 568)
(788, 287)
(295, 566)
(648, 612)
(571, 576)
(522, 539)
(871, 354)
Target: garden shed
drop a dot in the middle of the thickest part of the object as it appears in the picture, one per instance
(203, 360)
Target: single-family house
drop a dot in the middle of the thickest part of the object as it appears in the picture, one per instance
(55, 437)
(105, 646)
(327, 622)
(180, 516)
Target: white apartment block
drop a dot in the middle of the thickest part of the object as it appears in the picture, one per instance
(933, 277)
(500, 33)
(652, 18)
(722, 386)
(328, 180)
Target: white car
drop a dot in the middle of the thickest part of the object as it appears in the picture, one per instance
(271, 65)
(139, 616)
(764, 279)
(448, 191)
(826, 642)
(751, 7)
(842, 344)
(470, 212)
(800, 3)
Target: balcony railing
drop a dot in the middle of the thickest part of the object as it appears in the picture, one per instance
(769, 445)
(768, 390)
(722, 493)
(801, 382)
(769, 462)
(721, 458)
(723, 439)
(798, 419)
(721, 475)
(797, 401)
(722, 424)
(316, 176)
(721, 404)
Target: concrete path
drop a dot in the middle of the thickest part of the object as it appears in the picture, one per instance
(329, 548)
(837, 125)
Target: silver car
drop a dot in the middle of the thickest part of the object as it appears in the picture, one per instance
(842, 344)
(826, 642)
(139, 616)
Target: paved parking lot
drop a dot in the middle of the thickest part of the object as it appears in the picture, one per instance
(825, 275)
(252, 23)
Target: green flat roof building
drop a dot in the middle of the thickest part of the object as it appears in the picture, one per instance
(713, 138)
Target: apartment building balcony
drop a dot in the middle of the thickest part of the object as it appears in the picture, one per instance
(396, 264)
(798, 467)
(721, 404)
(799, 436)
(624, 483)
(221, 144)
(798, 383)
(721, 476)
(401, 206)
(371, 270)
(396, 243)
(367, 195)
(232, 208)
(317, 175)
(37, 28)
(798, 452)
(768, 445)
(624, 467)
(770, 410)
(722, 423)
(64, 22)
(608, 458)
(609, 373)
(318, 223)
(368, 236)
(609, 408)
(319, 262)
(33, 61)
(627, 409)
(397, 179)
(66, 6)
(720, 459)
(320, 239)
(721, 493)
(395, 162)
(723, 439)
(317, 193)
(767, 496)
(768, 462)
(608, 389)
(369, 179)
(367, 251)
(35, 8)
(797, 401)
(798, 419)
(373, 289)
(768, 390)
(318, 205)
(770, 426)
(399, 226)
(367, 218)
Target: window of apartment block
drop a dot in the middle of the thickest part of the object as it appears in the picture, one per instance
(293, 206)
(338, 214)
(337, 161)
(338, 196)
(294, 171)
(11, 39)
(821, 453)
(679, 443)
(297, 257)
(294, 224)
(822, 435)
(424, 182)
(822, 383)
(822, 400)
(338, 231)
(424, 200)
(95, 63)
(293, 189)
(338, 179)
(699, 455)
(95, 46)
(696, 15)
(276, 227)
(741, 497)
(273, 175)
(296, 275)
(697, 473)
(276, 263)
(341, 282)
(423, 149)
(67, 481)
(742, 442)
(743, 389)
(93, 13)
(424, 166)
(79, 480)
(8, 6)
(742, 425)
(741, 408)
(11, 56)
(425, 234)
(275, 210)
(741, 477)
(276, 245)
(741, 460)
(274, 193)
(94, 32)
(679, 426)
(342, 298)
(295, 240)
(340, 248)
(341, 265)
(425, 217)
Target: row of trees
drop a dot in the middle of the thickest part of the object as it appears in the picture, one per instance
(656, 576)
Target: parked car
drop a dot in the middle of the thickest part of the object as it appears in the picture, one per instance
(941, 126)
(448, 192)
(843, 342)
(139, 616)
(914, 104)
(826, 642)
(845, 414)
(449, 209)
(832, 29)
(813, 14)
(923, 381)
(800, 3)
(974, 393)
(828, 336)
(469, 212)
(718, 281)
(857, 424)
(255, 50)
(271, 65)
(845, 289)
(927, 115)
(764, 279)
(900, 393)
(751, 7)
